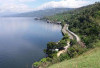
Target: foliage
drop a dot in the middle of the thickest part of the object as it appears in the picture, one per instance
(63, 23)
(73, 42)
(90, 59)
(61, 44)
(63, 57)
(52, 54)
(37, 64)
(66, 37)
(51, 45)
(75, 51)
(50, 51)
(83, 21)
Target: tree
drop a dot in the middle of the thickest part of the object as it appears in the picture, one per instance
(66, 37)
(51, 45)
(61, 44)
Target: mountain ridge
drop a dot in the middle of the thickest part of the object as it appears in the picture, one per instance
(41, 13)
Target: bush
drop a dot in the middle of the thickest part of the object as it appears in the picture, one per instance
(36, 64)
(72, 42)
(75, 50)
(63, 57)
(51, 45)
(61, 44)
(66, 37)
(63, 23)
(42, 61)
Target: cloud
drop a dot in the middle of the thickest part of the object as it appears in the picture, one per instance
(26, 0)
(15, 8)
(20, 6)
(14, 1)
(64, 4)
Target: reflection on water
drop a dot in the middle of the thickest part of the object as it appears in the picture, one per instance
(22, 41)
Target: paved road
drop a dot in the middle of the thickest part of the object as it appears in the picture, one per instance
(65, 31)
(71, 35)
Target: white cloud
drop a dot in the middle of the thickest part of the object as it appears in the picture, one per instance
(21, 6)
(26, 0)
(64, 4)
(15, 8)
(13, 1)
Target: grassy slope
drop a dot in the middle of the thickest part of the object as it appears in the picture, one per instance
(90, 59)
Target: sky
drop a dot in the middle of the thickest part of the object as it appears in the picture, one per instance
(20, 6)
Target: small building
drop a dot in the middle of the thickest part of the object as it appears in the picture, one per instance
(56, 50)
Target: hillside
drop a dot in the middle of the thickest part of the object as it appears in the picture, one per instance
(84, 21)
(42, 13)
(90, 59)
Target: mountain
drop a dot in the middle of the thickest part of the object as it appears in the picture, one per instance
(42, 13)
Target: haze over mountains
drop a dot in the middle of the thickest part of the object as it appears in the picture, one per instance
(40, 13)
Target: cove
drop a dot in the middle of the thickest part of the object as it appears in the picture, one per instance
(22, 40)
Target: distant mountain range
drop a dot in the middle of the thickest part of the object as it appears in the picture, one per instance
(41, 13)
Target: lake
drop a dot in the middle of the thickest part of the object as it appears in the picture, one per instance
(22, 40)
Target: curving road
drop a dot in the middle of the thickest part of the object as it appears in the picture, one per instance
(71, 36)
(65, 31)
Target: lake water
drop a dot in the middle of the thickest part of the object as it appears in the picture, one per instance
(22, 41)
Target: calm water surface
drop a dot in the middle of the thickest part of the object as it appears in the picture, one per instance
(22, 41)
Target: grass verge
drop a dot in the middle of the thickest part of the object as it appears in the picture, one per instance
(90, 59)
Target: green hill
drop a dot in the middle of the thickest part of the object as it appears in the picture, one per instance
(90, 59)
(84, 21)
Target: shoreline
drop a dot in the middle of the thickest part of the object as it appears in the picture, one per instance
(71, 35)
(57, 42)
(64, 31)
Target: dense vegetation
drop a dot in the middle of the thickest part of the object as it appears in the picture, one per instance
(90, 59)
(51, 51)
(52, 58)
(85, 22)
